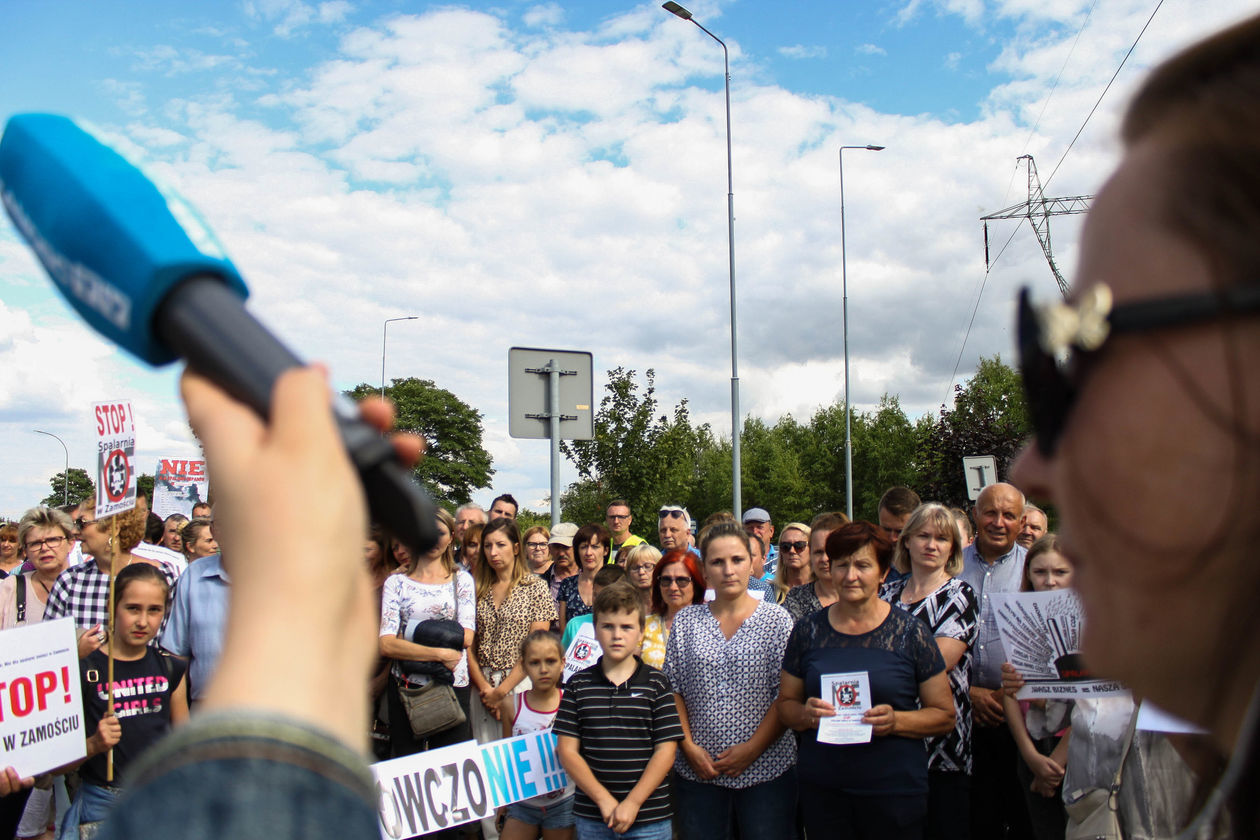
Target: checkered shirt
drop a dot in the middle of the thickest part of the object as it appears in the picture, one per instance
(82, 593)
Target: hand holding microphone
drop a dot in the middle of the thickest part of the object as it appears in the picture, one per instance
(139, 265)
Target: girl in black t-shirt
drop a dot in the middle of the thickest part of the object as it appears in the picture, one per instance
(150, 693)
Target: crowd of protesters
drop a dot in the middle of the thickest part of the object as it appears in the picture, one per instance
(734, 628)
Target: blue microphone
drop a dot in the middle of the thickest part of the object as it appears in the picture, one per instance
(141, 267)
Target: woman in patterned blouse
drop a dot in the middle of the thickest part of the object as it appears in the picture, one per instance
(511, 603)
(735, 770)
(930, 549)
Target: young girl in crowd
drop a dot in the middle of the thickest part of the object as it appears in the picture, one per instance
(530, 711)
(1040, 727)
(150, 693)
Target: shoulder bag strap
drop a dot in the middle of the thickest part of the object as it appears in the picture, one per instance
(21, 598)
(1124, 753)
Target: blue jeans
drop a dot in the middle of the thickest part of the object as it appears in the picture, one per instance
(766, 811)
(596, 830)
(246, 774)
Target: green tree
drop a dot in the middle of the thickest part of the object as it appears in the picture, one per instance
(81, 487)
(144, 486)
(989, 417)
(646, 458)
(454, 463)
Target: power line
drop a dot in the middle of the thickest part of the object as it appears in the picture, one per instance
(1046, 183)
(1132, 47)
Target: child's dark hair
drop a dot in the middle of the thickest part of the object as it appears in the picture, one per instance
(610, 574)
(544, 636)
(141, 571)
(618, 597)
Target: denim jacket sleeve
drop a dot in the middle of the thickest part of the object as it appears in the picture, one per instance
(246, 774)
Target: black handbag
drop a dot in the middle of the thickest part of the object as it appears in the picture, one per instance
(435, 632)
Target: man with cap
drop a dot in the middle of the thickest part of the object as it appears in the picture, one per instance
(757, 523)
(562, 562)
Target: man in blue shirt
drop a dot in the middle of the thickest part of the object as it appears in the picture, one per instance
(994, 563)
(197, 621)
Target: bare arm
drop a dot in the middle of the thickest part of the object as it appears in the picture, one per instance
(696, 756)
(794, 710)
(735, 759)
(627, 811)
(952, 650)
(569, 751)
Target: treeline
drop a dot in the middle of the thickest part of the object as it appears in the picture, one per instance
(793, 469)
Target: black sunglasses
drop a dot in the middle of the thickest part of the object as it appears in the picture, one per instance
(1058, 341)
(798, 545)
(675, 513)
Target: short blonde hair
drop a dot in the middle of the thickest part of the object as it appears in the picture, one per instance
(935, 516)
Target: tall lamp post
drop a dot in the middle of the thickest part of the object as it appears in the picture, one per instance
(848, 403)
(65, 498)
(737, 490)
(384, 334)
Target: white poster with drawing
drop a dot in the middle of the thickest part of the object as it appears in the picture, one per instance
(1041, 635)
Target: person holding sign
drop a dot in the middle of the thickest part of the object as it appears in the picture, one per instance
(82, 592)
(735, 772)
(149, 693)
(865, 778)
(45, 535)
(929, 553)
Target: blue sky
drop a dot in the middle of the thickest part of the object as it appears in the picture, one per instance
(554, 175)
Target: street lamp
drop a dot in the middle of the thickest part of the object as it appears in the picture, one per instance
(384, 333)
(679, 11)
(65, 499)
(848, 404)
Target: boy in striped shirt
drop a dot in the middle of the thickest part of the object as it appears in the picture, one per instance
(617, 730)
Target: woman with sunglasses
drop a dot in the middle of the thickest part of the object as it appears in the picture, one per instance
(676, 583)
(793, 568)
(819, 592)
(1160, 402)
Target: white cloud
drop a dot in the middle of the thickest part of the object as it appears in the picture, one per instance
(547, 187)
(545, 14)
(802, 51)
(871, 49)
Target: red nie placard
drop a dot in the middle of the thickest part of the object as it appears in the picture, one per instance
(178, 484)
(115, 457)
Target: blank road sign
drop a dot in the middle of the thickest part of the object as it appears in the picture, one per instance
(529, 386)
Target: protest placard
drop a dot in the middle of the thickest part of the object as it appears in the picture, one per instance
(178, 484)
(584, 651)
(41, 705)
(1041, 635)
(453, 785)
(115, 458)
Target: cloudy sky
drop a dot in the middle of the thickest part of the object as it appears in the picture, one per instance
(554, 175)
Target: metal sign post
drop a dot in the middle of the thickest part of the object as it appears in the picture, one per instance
(557, 408)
